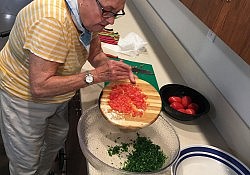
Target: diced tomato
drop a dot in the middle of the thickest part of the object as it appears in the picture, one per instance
(128, 99)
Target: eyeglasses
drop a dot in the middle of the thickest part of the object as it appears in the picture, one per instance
(109, 14)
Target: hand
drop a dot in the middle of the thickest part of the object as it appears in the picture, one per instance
(113, 70)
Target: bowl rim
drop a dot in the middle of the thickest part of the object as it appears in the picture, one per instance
(115, 170)
(190, 117)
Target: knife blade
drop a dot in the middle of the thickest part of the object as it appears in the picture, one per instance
(142, 71)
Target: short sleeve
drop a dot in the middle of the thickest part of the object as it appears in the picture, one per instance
(45, 38)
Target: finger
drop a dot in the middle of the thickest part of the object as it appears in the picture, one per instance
(120, 64)
(132, 77)
(119, 77)
(124, 75)
(119, 71)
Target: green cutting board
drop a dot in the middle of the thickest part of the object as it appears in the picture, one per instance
(149, 78)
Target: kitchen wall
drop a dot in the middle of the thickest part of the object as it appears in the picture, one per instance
(8, 12)
(12, 6)
(210, 67)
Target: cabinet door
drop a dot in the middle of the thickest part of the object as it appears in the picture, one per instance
(206, 10)
(229, 19)
(233, 26)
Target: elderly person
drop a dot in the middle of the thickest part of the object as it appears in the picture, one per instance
(41, 70)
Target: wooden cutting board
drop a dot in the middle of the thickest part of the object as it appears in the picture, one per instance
(126, 121)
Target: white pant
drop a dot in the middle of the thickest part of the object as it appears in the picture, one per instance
(32, 133)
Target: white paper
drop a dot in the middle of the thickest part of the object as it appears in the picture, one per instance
(132, 45)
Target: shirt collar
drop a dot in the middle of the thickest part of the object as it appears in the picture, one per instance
(86, 36)
(73, 7)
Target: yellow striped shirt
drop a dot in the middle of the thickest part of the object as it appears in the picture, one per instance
(45, 28)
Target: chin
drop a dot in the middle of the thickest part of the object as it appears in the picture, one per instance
(97, 28)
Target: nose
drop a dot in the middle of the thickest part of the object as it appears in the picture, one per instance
(111, 20)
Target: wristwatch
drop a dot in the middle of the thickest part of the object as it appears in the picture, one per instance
(89, 78)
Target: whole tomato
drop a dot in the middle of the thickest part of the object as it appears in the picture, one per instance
(193, 106)
(176, 105)
(182, 110)
(174, 99)
(190, 111)
(186, 100)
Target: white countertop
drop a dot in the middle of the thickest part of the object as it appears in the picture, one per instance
(198, 132)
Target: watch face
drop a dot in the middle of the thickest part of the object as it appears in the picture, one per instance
(89, 78)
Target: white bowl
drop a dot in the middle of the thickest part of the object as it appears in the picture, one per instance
(207, 160)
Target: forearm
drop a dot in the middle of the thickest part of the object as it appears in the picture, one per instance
(97, 57)
(58, 85)
(45, 82)
(99, 60)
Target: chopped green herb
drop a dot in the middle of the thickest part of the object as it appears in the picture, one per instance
(144, 157)
(118, 149)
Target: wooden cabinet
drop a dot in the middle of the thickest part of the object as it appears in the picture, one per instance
(229, 19)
